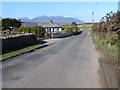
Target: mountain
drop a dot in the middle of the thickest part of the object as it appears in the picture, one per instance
(40, 19)
(55, 19)
(25, 19)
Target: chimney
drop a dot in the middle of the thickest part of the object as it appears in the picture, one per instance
(19, 19)
(50, 20)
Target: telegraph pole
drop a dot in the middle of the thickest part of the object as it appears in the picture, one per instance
(118, 50)
(93, 17)
(119, 6)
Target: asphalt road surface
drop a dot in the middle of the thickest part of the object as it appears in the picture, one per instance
(70, 63)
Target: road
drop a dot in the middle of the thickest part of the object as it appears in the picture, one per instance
(70, 63)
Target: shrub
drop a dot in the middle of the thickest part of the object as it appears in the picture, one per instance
(47, 35)
(25, 29)
(38, 31)
(69, 29)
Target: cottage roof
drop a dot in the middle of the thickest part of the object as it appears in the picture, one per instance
(31, 24)
(44, 24)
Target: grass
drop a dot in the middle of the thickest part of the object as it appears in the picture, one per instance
(84, 26)
(13, 53)
(103, 43)
(106, 46)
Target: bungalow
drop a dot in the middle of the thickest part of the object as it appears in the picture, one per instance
(48, 26)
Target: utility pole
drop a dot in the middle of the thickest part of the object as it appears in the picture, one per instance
(119, 6)
(93, 17)
(119, 49)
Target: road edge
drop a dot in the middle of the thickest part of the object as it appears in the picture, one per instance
(31, 50)
(108, 71)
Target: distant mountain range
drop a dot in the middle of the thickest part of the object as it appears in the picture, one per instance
(55, 19)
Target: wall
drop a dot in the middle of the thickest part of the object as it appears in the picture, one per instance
(17, 42)
(60, 35)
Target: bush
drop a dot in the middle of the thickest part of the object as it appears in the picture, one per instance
(25, 29)
(109, 28)
(47, 35)
(69, 29)
(38, 31)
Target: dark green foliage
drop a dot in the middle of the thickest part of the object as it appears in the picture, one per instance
(69, 29)
(109, 28)
(74, 23)
(47, 35)
(26, 29)
(38, 31)
(9, 24)
(74, 26)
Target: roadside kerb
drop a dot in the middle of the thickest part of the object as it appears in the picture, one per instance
(49, 42)
(31, 50)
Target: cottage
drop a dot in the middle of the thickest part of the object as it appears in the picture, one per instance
(48, 26)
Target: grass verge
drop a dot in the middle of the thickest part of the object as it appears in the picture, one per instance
(112, 50)
(13, 53)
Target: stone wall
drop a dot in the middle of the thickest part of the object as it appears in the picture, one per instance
(18, 42)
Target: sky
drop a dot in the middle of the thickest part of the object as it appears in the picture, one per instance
(79, 10)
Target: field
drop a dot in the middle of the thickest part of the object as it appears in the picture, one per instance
(85, 26)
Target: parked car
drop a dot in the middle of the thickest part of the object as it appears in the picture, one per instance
(6, 31)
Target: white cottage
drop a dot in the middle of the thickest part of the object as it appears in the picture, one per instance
(48, 26)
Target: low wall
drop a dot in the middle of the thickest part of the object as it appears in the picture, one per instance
(17, 42)
(60, 35)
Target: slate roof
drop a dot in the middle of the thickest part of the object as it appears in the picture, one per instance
(44, 24)
(31, 24)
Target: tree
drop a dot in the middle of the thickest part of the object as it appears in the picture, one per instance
(8, 23)
(74, 26)
(74, 23)
(15, 23)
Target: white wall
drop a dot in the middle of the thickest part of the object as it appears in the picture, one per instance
(45, 29)
(52, 29)
(55, 29)
(60, 29)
